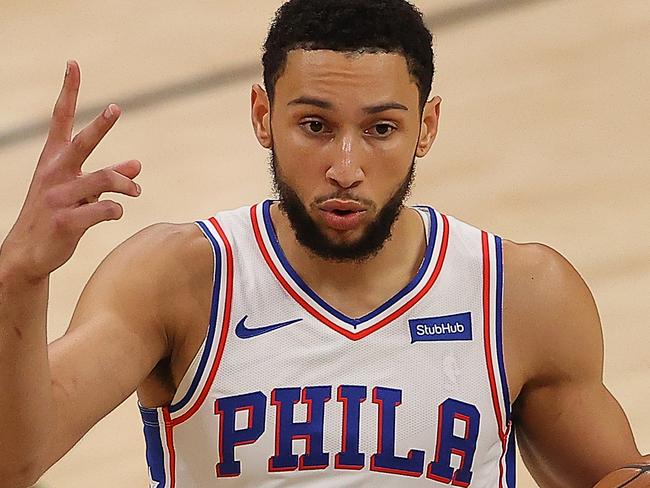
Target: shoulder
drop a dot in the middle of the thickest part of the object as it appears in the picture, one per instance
(157, 266)
(162, 239)
(539, 276)
(541, 269)
(162, 248)
(550, 316)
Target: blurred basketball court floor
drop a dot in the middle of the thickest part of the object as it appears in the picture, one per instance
(544, 137)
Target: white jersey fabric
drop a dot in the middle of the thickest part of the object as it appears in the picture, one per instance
(288, 391)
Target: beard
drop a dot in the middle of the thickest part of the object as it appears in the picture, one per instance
(309, 235)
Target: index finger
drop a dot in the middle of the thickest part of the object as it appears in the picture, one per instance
(65, 107)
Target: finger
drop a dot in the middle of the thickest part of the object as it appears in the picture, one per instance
(89, 187)
(64, 109)
(130, 168)
(84, 217)
(86, 141)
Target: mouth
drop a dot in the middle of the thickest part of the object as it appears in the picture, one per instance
(342, 215)
(342, 212)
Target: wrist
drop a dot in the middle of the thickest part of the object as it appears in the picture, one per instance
(16, 270)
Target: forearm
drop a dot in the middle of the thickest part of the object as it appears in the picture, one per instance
(26, 405)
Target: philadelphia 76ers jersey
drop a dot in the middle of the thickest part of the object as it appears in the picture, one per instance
(287, 391)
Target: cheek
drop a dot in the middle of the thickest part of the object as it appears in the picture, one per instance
(289, 143)
(297, 166)
(300, 160)
(390, 161)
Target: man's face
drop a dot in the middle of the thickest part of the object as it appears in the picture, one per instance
(345, 130)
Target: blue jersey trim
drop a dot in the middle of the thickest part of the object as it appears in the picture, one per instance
(154, 447)
(212, 326)
(511, 461)
(499, 331)
(268, 223)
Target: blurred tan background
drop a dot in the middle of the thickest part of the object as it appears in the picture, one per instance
(544, 137)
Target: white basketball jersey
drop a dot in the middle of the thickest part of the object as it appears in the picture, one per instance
(288, 391)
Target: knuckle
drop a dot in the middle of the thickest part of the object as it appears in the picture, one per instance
(113, 210)
(62, 222)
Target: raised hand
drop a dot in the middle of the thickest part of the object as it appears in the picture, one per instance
(63, 202)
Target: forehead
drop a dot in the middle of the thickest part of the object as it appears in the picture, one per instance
(360, 77)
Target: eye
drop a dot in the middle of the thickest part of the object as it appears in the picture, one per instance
(313, 126)
(382, 130)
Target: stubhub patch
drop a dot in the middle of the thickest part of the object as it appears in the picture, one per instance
(456, 327)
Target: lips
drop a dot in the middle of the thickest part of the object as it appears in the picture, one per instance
(341, 206)
(342, 215)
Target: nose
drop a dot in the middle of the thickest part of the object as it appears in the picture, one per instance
(345, 169)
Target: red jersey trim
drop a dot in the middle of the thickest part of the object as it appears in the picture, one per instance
(487, 341)
(224, 327)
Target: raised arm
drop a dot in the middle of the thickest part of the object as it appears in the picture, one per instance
(571, 430)
(41, 412)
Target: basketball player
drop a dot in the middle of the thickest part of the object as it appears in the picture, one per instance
(335, 337)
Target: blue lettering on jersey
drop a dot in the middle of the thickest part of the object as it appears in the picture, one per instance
(448, 443)
(385, 460)
(229, 436)
(455, 447)
(287, 430)
(351, 396)
(456, 327)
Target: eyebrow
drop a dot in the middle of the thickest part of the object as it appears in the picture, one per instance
(324, 104)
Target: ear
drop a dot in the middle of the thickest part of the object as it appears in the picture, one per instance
(429, 126)
(261, 116)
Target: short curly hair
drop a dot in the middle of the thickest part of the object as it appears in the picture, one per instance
(387, 26)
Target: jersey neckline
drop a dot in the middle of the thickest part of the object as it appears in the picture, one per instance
(436, 233)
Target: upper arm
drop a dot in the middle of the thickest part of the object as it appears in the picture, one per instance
(117, 335)
(571, 430)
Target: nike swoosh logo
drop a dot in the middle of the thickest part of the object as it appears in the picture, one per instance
(244, 332)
